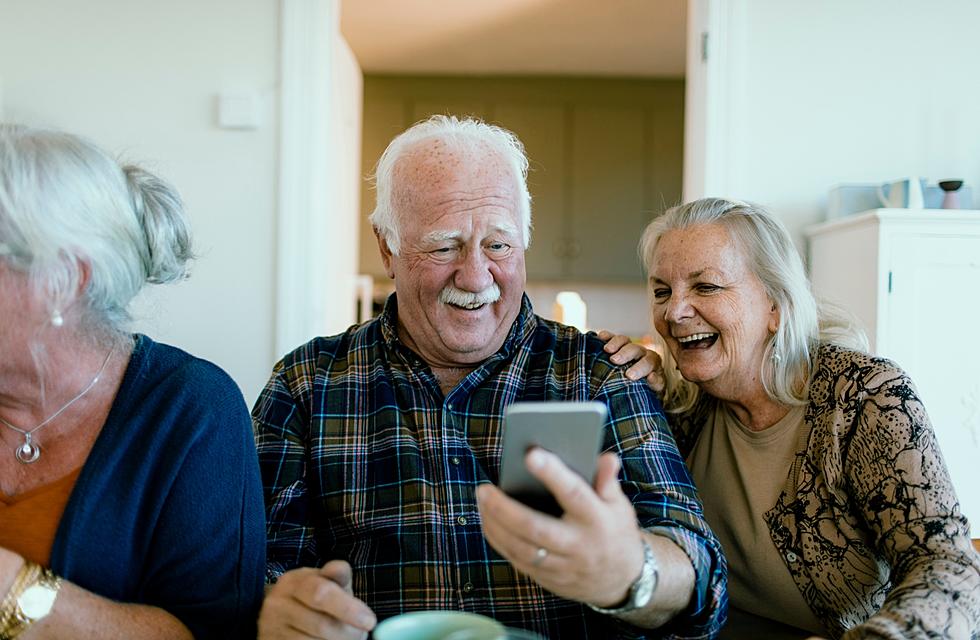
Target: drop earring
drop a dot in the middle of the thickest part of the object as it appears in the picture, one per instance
(56, 319)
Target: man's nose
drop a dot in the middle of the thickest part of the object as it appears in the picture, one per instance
(473, 273)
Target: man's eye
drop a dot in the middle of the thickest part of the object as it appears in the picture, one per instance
(498, 246)
(661, 293)
(708, 288)
(442, 254)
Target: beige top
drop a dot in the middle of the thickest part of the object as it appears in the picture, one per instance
(739, 474)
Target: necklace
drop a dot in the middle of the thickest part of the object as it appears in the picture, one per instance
(29, 451)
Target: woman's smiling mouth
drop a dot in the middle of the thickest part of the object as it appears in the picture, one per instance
(697, 340)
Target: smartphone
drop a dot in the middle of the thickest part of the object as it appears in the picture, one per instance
(570, 430)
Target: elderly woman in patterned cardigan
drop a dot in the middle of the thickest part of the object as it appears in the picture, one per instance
(817, 464)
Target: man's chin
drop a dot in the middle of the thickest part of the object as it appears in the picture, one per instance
(471, 349)
(469, 353)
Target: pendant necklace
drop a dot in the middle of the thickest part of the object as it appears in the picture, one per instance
(30, 451)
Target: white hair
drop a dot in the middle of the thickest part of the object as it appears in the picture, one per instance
(66, 207)
(773, 258)
(467, 134)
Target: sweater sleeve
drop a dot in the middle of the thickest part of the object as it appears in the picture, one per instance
(208, 547)
(900, 482)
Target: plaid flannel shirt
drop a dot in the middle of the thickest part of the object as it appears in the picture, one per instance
(364, 459)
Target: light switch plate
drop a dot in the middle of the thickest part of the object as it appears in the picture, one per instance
(238, 110)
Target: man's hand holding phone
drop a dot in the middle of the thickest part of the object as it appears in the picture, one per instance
(587, 547)
(592, 553)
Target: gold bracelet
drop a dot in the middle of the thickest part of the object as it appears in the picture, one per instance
(29, 599)
(27, 573)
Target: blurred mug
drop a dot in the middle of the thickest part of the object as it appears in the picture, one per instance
(507, 634)
(439, 625)
(902, 194)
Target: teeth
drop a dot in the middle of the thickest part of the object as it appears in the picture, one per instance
(696, 336)
(470, 307)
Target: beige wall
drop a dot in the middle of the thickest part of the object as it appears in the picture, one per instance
(140, 79)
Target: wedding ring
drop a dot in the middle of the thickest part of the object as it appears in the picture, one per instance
(539, 556)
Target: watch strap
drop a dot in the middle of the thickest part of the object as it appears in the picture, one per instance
(641, 590)
(31, 576)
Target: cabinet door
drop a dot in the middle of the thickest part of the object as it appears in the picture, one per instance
(664, 161)
(541, 129)
(606, 190)
(932, 310)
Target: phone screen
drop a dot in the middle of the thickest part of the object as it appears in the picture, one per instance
(570, 430)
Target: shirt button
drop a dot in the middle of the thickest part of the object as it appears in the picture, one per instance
(467, 587)
(461, 519)
(455, 460)
(449, 407)
(792, 557)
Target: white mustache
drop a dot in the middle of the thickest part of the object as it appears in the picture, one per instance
(460, 298)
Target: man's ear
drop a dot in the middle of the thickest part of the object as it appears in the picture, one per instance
(386, 256)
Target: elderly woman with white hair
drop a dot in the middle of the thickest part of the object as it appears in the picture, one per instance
(816, 462)
(130, 499)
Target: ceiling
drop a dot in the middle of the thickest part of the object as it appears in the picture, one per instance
(518, 37)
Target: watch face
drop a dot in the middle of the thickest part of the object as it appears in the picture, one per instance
(36, 601)
(644, 590)
(647, 582)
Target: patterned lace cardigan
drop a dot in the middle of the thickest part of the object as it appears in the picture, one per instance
(868, 522)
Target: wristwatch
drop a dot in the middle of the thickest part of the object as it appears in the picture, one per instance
(30, 598)
(642, 588)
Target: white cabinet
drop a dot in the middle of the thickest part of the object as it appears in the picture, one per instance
(913, 278)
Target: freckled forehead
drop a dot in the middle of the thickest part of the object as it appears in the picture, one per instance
(698, 249)
(436, 170)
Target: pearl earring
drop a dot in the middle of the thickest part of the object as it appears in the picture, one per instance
(56, 319)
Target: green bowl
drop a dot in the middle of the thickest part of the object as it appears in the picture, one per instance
(436, 625)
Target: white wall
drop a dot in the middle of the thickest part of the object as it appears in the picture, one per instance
(319, 186)
(348, 103)
(815, 94)
(140, 78)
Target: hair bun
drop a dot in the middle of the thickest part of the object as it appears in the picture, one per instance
(165, 230)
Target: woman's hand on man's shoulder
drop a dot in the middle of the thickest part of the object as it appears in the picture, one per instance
(643, 362)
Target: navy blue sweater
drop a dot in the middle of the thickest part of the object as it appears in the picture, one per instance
(167, 510)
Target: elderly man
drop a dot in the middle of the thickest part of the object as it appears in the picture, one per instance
(379, 447)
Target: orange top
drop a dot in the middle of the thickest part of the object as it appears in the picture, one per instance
(29, 521)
